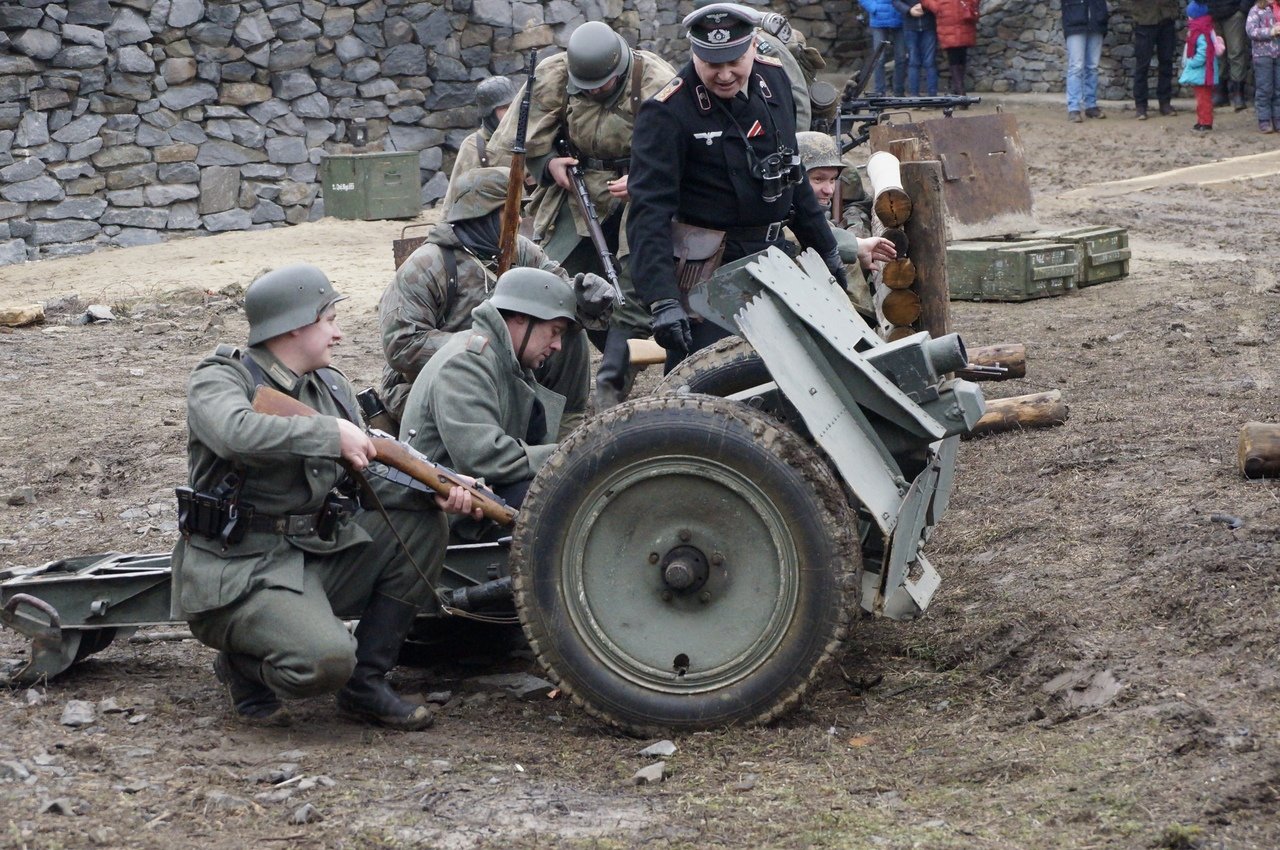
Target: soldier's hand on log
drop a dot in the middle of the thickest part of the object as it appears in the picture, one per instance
(875, 249)
(618, 188)
(354, 445)
(596, 299)
(836, 266)
(671, 325)
(559, 169)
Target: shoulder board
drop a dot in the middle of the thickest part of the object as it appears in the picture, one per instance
(227, 350)
(476, 343)
(769, 60)
(669, 89)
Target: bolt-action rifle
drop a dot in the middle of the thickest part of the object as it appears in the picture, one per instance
(515, 183)
(418, 471)
(588, 209)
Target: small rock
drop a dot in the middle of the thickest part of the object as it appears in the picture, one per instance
(305, 813)
(522, 685)
(292, 755)
(661, 749)
(270, 798)
(22, 496)
(275, 775)
(137, 373)
(746, 783)
(222, 801)
(138, 718)
(34, 697)
(439, 697)
(442, 765)
(77, 713)
(14, 770)
(133, 787)
(653, 774)
(157, 328)
(99, 313)
(1231, 522)
(109, 706)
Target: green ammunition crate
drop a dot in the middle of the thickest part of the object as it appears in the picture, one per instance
(371, 185)
(1104, 251)
(1010, 271)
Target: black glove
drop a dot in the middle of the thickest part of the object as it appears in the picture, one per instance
(836, 266)
(671, 325)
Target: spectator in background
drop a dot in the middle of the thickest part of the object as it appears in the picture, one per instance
(1154, 33)
(1263, 28)
(957, 28)
(1084, 24)
(886, 26)
(1228, 19)
(1200, 62)
(921, 41)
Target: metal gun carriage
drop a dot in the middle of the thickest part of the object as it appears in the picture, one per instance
(689, 559)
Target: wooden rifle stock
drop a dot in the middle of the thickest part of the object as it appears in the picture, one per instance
(515, 183)
(396, 455)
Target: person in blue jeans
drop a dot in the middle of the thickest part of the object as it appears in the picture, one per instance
(920, 36)
(886, 25)
(1084, 24)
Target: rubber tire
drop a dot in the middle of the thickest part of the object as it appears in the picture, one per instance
(644, 434)
(728, 366)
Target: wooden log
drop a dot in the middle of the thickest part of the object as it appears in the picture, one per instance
(16, 317)
(1260, 450)
(1038, 410)
(646, 352)
(900, 307)
(927, 233)
(893, 207)
(898, 274)
(1010, 356)
(900, 332)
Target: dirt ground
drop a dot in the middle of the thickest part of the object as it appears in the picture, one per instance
(1099, 669)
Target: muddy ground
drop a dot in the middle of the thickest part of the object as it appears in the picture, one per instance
(1099, 669)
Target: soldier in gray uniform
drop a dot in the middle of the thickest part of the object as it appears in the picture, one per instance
(493, 97)
(589, 96)
(477, 406)
(273, 556)
(437, 287)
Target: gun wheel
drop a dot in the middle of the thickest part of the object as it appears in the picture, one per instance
(684, 562)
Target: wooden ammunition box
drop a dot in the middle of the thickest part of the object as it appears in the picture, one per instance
(1011, 271)
(1104, 251)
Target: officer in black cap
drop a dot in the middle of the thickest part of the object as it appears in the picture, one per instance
(716, 148)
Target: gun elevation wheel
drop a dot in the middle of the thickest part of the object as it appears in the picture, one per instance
(682, 562)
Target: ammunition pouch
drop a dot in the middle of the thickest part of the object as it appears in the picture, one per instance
(228, 520)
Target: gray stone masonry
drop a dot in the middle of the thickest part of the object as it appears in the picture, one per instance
(123, 121)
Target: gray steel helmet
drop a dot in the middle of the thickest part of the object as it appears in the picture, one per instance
(818, 150)
(286, 299)
(480, 192)
(535, 292)
(492, 93)
(596, 55)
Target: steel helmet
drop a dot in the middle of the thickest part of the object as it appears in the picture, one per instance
(286, 299)
(492, 93)
(818, 150)
(480, 192)
(596, 55)
(535, 292)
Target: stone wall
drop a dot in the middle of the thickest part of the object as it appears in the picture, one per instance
(126, 121)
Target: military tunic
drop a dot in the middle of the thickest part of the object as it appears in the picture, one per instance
(419, 313)
(274, 596)
(474, 152)
(689, 162)
(770, 45)
(471, 406)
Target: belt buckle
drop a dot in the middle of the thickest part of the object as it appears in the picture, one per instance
(299, 525)
(772, 233)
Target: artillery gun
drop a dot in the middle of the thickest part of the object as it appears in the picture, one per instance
(686, 560)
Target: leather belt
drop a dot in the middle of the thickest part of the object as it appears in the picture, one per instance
(290, 525)
(755, 233)
(618, 166)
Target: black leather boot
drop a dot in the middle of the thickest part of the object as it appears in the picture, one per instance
(1237, 96)
(253, 702)
(368, 696)
(614, 378)
(1220, 96)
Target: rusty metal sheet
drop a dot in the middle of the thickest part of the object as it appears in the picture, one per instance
(984, 172)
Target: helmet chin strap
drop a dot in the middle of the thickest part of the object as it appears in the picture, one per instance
(524, 343)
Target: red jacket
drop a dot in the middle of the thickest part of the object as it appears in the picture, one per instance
(957, 21)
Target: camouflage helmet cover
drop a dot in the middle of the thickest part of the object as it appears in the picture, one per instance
(286, 299)
(596, 55)
(493, 93)
(535, 292)
(818, 150)
(480, 192)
